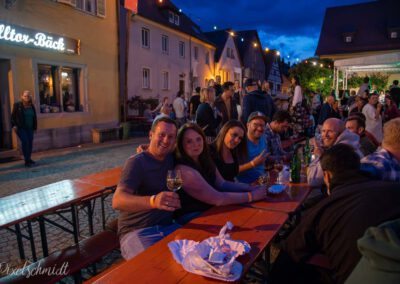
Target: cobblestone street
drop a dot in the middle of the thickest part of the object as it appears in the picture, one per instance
(53, 166)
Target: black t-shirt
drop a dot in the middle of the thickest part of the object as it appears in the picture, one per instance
(195, 101)
(143, 175)
(227, 171)
(334, 225)
(190, 204)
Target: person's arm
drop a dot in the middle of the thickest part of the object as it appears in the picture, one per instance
(255, 162)
(198, 188)
(315, 175)
(229, 186)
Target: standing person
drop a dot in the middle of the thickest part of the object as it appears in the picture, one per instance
(24, 121)
(179, 108)
(255, 100)
(164, 102)
(328, 110)
(364, 87)
(194, 103)
(316, 104)
(225, 103)
(298, 109)
(373, 117)
(395, 92)
(206, 117)
(141, 196)
(229, 149)
(391, 110)
(237, 95)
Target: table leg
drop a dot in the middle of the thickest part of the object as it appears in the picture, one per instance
(43, 236)
(75, 224)
(19, 241)
(31, 240)
(90, 216)
(103, 211)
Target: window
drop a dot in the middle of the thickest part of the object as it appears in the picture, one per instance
(176, 19)
(393, 34)
(94, 7)
(348, 39)
(164, 44)
(182, 49)
(145, 38)
(207, 58)
(59, 89)
(146, 78)
(196, 53)
(236, 76)
(171, 17)
(278, 87)
(165, 80)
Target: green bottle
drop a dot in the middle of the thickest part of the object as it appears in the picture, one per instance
(295, 168)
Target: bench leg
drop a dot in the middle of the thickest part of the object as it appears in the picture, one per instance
(75, 224)
(19, 241)
(90, 216)
(43, 236)
(33, 249)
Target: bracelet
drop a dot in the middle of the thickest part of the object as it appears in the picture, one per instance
(153, 201)
(252, 164)
(250, 196)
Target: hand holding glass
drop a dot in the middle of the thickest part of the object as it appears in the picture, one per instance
(174, 180)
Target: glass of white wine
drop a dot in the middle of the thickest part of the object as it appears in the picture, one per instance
(263, 179)
(174, 180)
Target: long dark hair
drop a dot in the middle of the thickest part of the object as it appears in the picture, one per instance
(296, 80)
(206, 165)
(240, 150)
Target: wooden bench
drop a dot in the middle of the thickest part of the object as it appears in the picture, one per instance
(100, 135)
(72, 259)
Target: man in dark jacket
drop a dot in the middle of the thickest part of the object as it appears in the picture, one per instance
(225, 104)
(255, 100)
(333, 226)
(328, 110)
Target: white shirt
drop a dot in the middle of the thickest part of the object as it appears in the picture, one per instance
(372, 124)
(179, 107)
(297, 97)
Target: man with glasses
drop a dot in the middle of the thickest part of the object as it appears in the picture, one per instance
(257, 149)
(333, 132)
(225, 104)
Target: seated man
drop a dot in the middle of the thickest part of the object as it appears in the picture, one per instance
(145, 205)
(334, 225)
(333, 132)
(257, 149)
(384, 164)
(357, 125)
(280, 124)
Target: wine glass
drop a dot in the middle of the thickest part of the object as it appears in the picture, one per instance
(174, 180)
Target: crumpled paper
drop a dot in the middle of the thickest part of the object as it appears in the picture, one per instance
(195, 256)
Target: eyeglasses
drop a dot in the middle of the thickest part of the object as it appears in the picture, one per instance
(257, 125)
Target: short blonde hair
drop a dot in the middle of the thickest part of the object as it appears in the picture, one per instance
(391, 133)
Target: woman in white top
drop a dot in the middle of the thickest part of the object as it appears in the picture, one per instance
(298, 96)
(373, 118)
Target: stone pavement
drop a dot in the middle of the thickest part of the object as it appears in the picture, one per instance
(53, 166)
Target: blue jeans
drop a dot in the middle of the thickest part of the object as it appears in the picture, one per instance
(138, 240)
(26, 137)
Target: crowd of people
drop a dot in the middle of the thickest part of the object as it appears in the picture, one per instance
(223, 140)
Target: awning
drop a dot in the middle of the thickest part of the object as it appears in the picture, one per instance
(389, 62)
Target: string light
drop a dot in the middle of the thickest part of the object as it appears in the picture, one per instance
(232, 33)
(278, 53)
(266, 49)
(242, 39)
(321, 65)
(180, 10)
(255, 44)
(314, 63)
(215, 27)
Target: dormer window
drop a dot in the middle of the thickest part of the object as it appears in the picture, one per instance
(394, 34)
(173, 18)
(348, 39)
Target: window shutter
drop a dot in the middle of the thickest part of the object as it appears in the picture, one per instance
(101, 8)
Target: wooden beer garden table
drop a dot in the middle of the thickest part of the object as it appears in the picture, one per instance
(157, 265)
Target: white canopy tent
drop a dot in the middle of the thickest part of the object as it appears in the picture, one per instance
(387, 63)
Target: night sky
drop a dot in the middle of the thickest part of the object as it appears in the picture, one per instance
(292, 27)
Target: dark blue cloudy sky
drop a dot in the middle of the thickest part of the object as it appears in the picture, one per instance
(292, 27)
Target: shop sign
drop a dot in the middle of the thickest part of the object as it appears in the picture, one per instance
(22, 36)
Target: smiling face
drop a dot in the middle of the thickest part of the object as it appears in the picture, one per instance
(192, 144)
(329, 133)
(26, 97)
(255, 128)
(162, 140)
(233, 137)
(373, 100)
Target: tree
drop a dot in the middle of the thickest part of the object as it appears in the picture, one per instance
(313, 75)
(378, 81)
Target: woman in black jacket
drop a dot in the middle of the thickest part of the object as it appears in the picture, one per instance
(205, 114)
(24, 121)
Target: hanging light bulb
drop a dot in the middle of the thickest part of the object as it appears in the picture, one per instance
(266, 49)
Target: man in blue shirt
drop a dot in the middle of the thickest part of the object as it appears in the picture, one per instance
(257, 148)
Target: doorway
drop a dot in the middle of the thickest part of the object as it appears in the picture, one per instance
(5, 109)
(182, 86)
